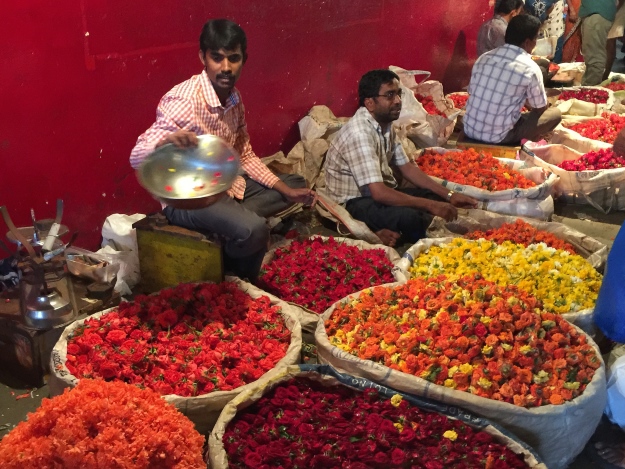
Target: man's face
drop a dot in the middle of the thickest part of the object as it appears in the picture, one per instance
(387, 106)
(223, 67)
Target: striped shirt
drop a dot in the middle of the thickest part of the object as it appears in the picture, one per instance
(501, 81)
(193, 105)
(361, 154)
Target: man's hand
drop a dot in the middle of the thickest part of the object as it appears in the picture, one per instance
(619, 144)
(303, 196)
(180, 138)
(462, 201)
(444, 210)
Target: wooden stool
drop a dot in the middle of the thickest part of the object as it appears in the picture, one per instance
(169, 255)
(498, 151)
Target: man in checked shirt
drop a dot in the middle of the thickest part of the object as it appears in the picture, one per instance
(209, 103)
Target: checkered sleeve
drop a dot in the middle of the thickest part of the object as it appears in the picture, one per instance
(361, 158)
(251, 163)
(399, 154)
(536, 95)
(173, 113)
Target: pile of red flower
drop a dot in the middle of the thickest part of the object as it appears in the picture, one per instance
(471, 168)
(615, 86)
(470, 335)
(103, 425)
(302, 424)
(604, 129)
(315, 273)
(428, 104)
(189, 340)
(523, 233)
(600, 159)
(591, 95)
(459, 99)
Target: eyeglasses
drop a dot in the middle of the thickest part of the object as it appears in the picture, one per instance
(390, 95)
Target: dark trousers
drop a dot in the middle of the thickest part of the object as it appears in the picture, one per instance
(409, 222)
(532, 125)
(240, 224)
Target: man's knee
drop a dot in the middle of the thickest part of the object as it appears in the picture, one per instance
(294, 181)
(258, 234)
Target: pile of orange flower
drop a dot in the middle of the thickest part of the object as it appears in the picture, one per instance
(471, 168)
(103, 424)
(470, 335)
(523, 233)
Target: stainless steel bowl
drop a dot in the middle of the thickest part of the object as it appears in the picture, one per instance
(190, 178)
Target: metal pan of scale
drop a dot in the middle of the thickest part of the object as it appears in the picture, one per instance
(190, 178)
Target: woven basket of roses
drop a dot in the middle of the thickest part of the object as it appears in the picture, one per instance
(473, 344)
(313, 273)
(314, 416)
(198, 345)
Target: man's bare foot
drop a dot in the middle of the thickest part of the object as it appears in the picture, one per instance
(612, 453)
(388, 237)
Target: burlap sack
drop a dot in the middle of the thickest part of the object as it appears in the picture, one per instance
(468, 221)
(307, 318)
(218, 458)
(576, 107)
(557, 433)
(604, 189)
(320, 122)
(202, 410)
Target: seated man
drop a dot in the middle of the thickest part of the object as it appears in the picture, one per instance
(492, 34)
(502, 81)
(209, 103)
(358, 173)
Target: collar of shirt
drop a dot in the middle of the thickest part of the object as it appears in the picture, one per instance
(376, 125)
(211, 96)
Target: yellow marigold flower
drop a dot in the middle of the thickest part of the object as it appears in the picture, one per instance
(571, 386)
(450, 383)
(484, 383)
(485, 319)
(396, 400)
(541, 377)
(487, 349)
(450, 435)
(506, 347)
(466, 368)
(398, 426)
(525, 349)
(395, 358)
(452, 371)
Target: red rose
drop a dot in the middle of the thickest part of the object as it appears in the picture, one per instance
(109, 370)
(397, 457)
(253, 459)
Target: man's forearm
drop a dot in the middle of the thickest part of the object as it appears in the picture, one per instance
(414, 174)
(387, 196)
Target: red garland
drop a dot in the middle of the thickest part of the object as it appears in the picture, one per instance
(315, 273)
(189, 340)
(303, 424)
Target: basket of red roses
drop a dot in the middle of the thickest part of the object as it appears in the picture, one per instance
(101, 424)
(586, 134)
(198, 345)
(476, 224)
(585, 100)
(503, 185)
(314, 416)
(594, 177)
(472, 344)
(314, 273)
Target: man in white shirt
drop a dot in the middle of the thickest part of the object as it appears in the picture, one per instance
(502, 82)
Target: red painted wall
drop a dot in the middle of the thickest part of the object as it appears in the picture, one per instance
(80, 80)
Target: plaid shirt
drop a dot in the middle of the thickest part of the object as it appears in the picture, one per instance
(501, 81)
(360, 154)
(193, 105)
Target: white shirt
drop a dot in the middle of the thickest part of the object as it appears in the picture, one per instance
(501, 81)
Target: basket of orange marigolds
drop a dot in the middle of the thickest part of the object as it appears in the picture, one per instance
(502, 185)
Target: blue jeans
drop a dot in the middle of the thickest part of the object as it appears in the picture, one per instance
(240, 224)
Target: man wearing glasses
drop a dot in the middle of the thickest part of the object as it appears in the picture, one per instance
(358, 169)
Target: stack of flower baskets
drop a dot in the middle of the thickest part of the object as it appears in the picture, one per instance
(104, 425)
(585, 100)
(506, 186)
(476, 345)
(602, 188)
(313, 416)
(198, 345)
(316, 272)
